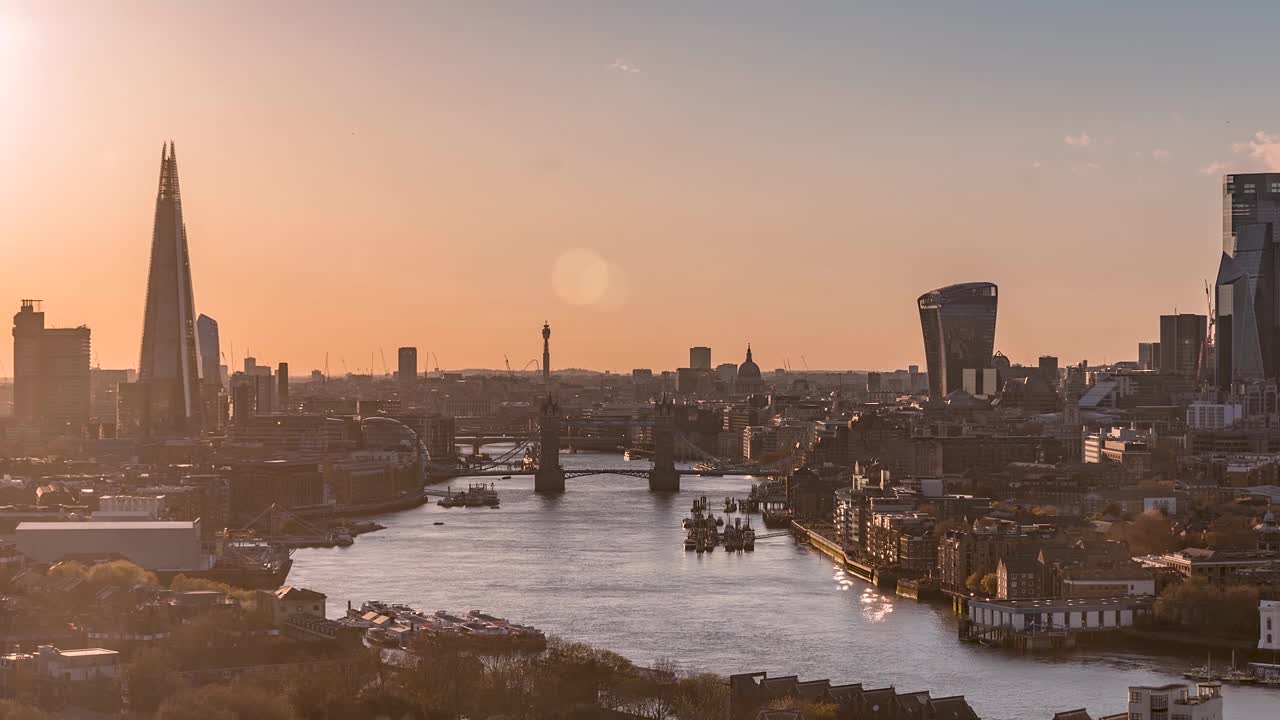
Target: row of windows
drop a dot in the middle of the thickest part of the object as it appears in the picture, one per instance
(1251, 189)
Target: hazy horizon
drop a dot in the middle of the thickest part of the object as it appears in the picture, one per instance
(449, 177)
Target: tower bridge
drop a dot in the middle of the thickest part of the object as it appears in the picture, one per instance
(550, 475)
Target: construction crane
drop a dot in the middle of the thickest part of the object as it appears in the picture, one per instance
(534, 363)
(806, 362)
(437, 361)
(1208, 298)
(385, 371)
(326, 366)
(1211, 334)
(507, 360)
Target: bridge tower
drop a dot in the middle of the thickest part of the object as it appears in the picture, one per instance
(549, 477)
(664, 477)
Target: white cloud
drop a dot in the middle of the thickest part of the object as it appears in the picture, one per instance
(623, 66)
(1093, 166)
(1214, 168)
(1263, 147)
(1081, 140)
(1160, 154)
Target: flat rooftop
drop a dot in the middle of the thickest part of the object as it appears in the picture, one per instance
(110, 525)
(87, 652)
(1111, 603)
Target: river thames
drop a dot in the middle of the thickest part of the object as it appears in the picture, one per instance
(604, 564)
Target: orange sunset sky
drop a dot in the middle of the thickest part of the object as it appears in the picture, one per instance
(645, 176)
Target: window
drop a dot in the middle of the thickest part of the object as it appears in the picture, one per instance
(1135, 696)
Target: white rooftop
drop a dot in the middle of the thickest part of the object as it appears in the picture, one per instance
(110, 525)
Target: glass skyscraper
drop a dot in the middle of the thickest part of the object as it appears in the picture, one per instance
(168, 373)
(959, 326)
(1248, 325)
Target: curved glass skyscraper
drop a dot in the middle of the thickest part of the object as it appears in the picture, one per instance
(1247, 345)
(959, 326)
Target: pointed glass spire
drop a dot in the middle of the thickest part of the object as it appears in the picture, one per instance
(168, 366)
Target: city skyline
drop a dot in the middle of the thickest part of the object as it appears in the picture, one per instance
(617, 220)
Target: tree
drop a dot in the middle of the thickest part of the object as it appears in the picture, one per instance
(150, 678)
(226, 702)
(14, 710)
(1198, 606)
(990, 584)
(651, 694)
(338, 689)
(974, 582)
(1151, 533)
(444, 679)
(577, 675)
(182, 583)
(122, 573)
(1232, 531)
(702, 696)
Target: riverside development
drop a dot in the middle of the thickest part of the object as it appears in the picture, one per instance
(978, 539)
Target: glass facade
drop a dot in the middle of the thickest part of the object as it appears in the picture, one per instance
(169, 369)
(1182, 344)
(1248, 319)
(959, 327)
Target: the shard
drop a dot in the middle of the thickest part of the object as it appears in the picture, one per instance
(168, 372)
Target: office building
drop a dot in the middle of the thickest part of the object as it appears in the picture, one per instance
(407, 367)
(210, 350)
(168, 370)
(51, 386)
(1248, 279)
(103, 391)
(959, 327)
(254, 393)
(1182, 344)
(1149, 356)
(282, 386)
(1049, 369)
(700, 358)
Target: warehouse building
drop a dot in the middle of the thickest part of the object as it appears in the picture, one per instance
(153, 545)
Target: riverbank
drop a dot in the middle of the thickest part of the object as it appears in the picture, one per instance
(604, 564)
(1171, 640)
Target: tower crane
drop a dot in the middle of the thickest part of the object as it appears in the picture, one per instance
(1208, 298)
(385, 371)
(437, 361)
(507, 360)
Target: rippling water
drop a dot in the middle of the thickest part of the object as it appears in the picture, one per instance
(604, 564)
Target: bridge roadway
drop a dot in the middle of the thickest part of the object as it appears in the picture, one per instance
(629, 472)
